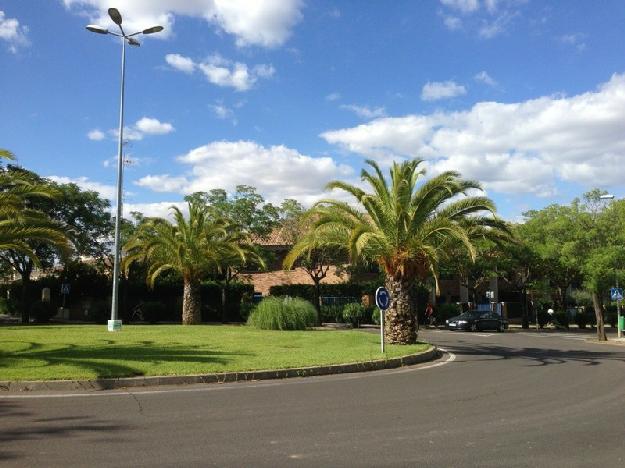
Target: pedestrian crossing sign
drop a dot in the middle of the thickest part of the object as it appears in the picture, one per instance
(616, 294)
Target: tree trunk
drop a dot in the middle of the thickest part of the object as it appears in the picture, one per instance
(598, 306)
(525, 323)
(400, 324)
(317, 301)
(191, 303)
(224, 302)
(25, 296)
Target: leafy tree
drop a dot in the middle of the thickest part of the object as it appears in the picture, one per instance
(404, 228)
(246, 208)
(315, 259)
(22, 225)
(193, 247)
(582, 243)
(248, 217)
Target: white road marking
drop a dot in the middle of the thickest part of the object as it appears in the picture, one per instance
(555, 335)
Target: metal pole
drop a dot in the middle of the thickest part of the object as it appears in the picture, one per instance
(381, 329)
(618, 315)
(536, 311)
(114, 325)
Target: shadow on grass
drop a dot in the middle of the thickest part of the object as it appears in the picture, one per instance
(16, 426)
(111, 360)
(534, 356)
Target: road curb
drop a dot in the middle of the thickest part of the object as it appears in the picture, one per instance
(8, 386)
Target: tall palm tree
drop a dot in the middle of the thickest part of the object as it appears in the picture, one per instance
(193, 247)
(20, 224)
(403, 227)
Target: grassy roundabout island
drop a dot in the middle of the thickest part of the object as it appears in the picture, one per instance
(53, 352)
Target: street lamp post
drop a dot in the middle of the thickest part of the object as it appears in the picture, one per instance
(114, 324)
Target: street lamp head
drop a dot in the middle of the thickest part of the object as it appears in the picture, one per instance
(133, 42)
(115, 16)
(607, 197)
(153, 29)
(96, 29)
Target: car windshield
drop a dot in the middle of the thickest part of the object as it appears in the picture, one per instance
(469, 315)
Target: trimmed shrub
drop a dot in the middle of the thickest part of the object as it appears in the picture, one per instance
(245, 309)
(444, 312)
(42, 312)
(100, 311)
(332, 313)
(375, 316)
(154, 311)
(561, 319)
(583, 319)
(282, 313)
(8, 306)
(353, 313)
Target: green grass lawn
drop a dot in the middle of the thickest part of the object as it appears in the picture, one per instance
(90, 351)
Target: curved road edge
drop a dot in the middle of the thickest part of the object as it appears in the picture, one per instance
(17, 386)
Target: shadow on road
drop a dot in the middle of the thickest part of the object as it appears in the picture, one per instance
(535, 356)
(18, 427)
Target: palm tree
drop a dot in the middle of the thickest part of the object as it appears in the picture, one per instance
(19, 223)
(21, 226)
(193, 247)
(404, 228)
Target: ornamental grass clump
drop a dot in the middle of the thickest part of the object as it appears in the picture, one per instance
(283, 313)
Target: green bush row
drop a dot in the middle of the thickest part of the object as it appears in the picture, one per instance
(307, 291)
(95, 289)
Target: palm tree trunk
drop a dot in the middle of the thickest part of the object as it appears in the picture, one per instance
(598, 306)
(191, 303)
(400, 324)
(317, 301)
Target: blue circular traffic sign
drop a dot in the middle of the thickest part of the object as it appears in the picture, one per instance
(382, 298)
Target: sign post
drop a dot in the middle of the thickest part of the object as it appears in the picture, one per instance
(383, 301)
(616, 294)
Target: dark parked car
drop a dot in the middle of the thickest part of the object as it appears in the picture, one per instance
(477, 321)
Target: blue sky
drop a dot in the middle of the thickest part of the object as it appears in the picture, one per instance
(526, 96)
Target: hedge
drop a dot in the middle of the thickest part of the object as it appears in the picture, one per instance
(95, 290)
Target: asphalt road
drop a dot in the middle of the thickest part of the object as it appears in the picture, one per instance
(513, 399)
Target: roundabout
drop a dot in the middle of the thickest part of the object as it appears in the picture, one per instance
(513, 399)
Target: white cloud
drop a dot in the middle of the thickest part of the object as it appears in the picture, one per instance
(452, 23)
(129, 161)
(575, 40)
(514, 147)
(277, 172)
(223, 72)
(492, 28)
(152, 126)
(364, 111)
(465, 6)
(13, 33)
(484, 77)
(266, 23)
(154, 210)
(433, 91)
(143, 126)
(333, 97)
(105, 191)
(223, 112)
(96, 135)
(179, 62)
(488, 17)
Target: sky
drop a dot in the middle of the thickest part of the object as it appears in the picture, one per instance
(525, 96)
